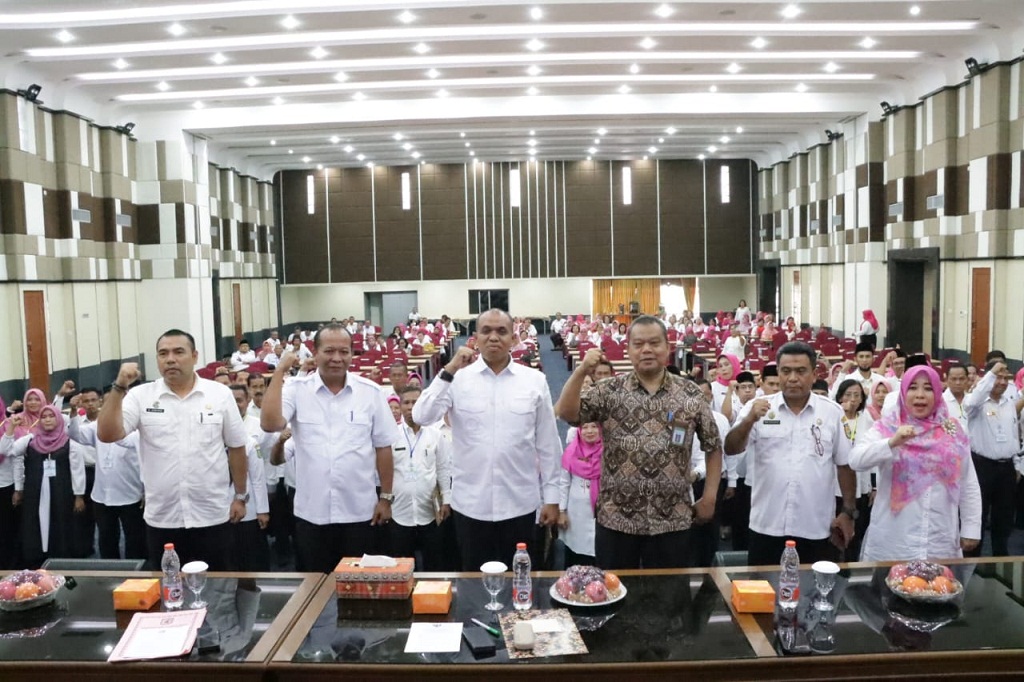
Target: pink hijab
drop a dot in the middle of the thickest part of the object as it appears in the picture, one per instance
(869, 403)
(933, 456)
(869, 316)
(735, 362)
(1018, 379)
(584, 460)
(46, 442)
(29, 419)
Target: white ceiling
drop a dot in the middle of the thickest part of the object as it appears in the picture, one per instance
(813, 72)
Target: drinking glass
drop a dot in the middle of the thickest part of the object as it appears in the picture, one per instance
(195, 578)
(822, 639)
(824, 579)
(494, 581)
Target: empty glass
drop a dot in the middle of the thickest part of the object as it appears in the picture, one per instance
(494, 582)
(824, 579)
(195, 578)
(821, 638)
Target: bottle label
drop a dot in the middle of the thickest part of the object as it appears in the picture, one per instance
(789, 593)
(172, 593)
(524, 595)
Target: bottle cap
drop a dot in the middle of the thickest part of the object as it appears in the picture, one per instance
(790, 543)
(521, 545)
(169, 547)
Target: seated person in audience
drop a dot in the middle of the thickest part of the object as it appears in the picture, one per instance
(525, 343)
(423, 482)
(396, 333)
(736, 344)
(424, 342)
(368, 328)
(578, 487)
(449, 325)
(300, 350)
(398, 375)
(266, 349)
(371, 345)
(402, 346)
(530, 328)
(351, 326)
(619, 336)
(595, 334)
(273, 358)
(928, 504)
(572, 338)
(222, 375)
(250, 551)
(557, 327)
(299, 334)
(274, 339)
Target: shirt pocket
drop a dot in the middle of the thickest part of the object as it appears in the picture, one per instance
(522, 412)
(211, 429)
(156, 426)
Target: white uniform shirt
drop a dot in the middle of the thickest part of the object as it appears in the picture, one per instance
(556, 326)
(993, 427)
(335, 437)
(956, 409)
(302, 353)
(274, 343)
(423, 464)
(792, 495)
(118, 474)
(698, 459)
(505, 437)
(246, 358)
(256, 485)
(181, 451)
(929, 526)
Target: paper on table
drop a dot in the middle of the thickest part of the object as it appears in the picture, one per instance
(434, 638)
(541, 625)
(158, 635)
(377, 561)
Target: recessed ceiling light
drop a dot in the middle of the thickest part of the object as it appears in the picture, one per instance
(652, 150)
(664, 11)
(624, 89)
(348, 149)
(592, 150)
(252, 81)
(644, 157)
(421, 48)
(532, 91)
(536, 13)
(469, 144)
(407, 17)
(472, 153)
(273, 143)
(462, 134)
(442, 93)
(634, 68)
(712, 149)
(597, 140)
(341, 76)
(661, 140)
(120, 65)
(734, 68)
(278, 101)
(713, 88)
(415, 155)
(739, 129)
(306, 159)
(198, 104)
(423, 162)
(868, 43)
(163, 86)
(176, 29)
(218, 58)
(588, 158)
(535, 45)
(360, 157)
(801, 87)
(700, 157)
(791, 11)
(398, 137)
(369, 164)
(433, 73)
(759, 43)
(407, 146)
(532, 132)
(914, 10)
(358, 96)
(318, 52)
(602, 131)
(648, 43)
(291, 151)
(535, 70)
(724, 139)
(532, 143)
(670, 130)
(319, 166)
(65, 36)
(335, 139)
(290, 22)
(831, 67)
(531, 151)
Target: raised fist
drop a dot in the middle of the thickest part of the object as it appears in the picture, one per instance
(128, 374)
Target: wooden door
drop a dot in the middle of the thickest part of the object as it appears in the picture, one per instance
(981, 281)
(36, 351)
(236, 305)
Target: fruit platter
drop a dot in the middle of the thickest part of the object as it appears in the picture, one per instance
(26, 590)
(588, 586)
(924, 582)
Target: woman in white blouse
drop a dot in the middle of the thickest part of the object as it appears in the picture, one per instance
(928, 504)
(856, 424)
(578, 487)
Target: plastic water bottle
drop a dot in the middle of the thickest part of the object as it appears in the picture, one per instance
(789, 577)
(522, 586)
(172, 592)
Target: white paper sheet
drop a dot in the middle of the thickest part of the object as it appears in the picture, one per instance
(541, 625)
(377, 561)
(158, 635)
(434, 638)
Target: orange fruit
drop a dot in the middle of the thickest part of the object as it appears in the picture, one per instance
(611, 581)
(914, 584)
(27, 591)
(943, 585)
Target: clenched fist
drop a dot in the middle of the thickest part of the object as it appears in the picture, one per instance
(128, 374)
(463, 358)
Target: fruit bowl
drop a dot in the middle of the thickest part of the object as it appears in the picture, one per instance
(587, 586)
(26, 590)
(924, 582)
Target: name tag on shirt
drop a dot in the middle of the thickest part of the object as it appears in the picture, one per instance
(158, 410)
(49, 468)
(107, 460)
(771, 422)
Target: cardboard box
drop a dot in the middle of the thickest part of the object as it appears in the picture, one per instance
(753, 596)
(136, 594)
(374, 609)
(356, 582)
(432, 596)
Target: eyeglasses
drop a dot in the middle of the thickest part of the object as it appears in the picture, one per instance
(819, 447)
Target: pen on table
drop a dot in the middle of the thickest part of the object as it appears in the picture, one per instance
(489, 629)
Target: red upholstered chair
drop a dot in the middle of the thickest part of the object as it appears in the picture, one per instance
(673, 334)
(614, 352)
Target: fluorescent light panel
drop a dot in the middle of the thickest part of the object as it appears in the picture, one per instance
(406, 192)
(627, 185)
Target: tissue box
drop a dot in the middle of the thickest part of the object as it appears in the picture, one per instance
(432, 596)
(357, 582)
(753, 596)
(136, 594)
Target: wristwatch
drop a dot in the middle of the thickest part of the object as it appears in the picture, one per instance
(851, 512)
(387, 497)
(445, 375)
(243, 498)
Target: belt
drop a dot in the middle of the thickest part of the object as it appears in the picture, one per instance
(1005, 460)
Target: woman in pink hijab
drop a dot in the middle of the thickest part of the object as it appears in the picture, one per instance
(728, 367)
(868, 330)
(579, 487)
(928, 503)
(876, 399)
(32, 406)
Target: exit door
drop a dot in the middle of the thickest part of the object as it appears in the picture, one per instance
(36, 351)
(981, 282)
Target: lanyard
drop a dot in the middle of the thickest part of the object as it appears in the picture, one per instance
(412, 446)
(851, 434)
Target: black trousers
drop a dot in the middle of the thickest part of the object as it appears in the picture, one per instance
(998, 482)
(282, 521)
(111, 521)
(451, 559)
(766, 550)
(616, 550)
(210, 544)
(741, 516)
(85, 523)
(9, 529)
(574, 559)
(483, 541)
(250, 552)
(319, 548)
(704, 537)
(405, 541)
(860, 526)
